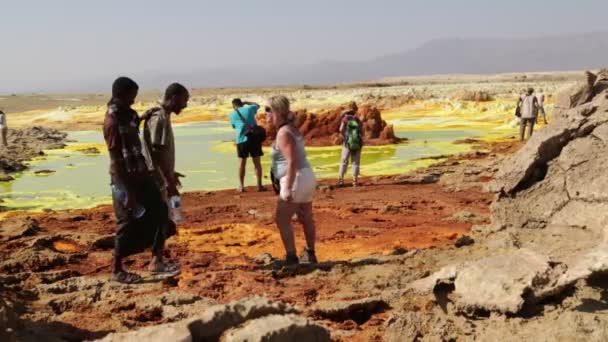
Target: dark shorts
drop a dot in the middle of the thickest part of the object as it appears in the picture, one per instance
(249, 148)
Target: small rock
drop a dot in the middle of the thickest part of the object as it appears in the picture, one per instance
(389, 209)
(53, 277)
(279, 328)
(399, 251)
(44, 172)
(79, 218)
(325, 188)
(263, 259)
(91, 150)
(464, 240)
(5, 178)
(357, 310)
(104, 242)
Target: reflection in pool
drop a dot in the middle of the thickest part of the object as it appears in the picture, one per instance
(207, 156)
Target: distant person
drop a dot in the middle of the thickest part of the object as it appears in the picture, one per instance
(159, 144)
(3, 128)
(141, 213)
(351, 129)
(241, 119)
(296, 180)
(541, 104)
(528, 108)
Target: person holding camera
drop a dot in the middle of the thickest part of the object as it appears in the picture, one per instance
(248, 139)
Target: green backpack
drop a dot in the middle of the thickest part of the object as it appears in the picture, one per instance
(353, 136)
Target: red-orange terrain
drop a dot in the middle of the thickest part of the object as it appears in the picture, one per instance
(372, 240)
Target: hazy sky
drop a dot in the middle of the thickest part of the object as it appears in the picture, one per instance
(46, 44)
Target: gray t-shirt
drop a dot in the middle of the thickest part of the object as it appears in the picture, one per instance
(528, 110)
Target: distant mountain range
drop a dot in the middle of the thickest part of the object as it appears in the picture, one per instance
(441, 56)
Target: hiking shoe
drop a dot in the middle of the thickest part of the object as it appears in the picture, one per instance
(340, 183)
(291, 259)
(308, 257)
(126, 278)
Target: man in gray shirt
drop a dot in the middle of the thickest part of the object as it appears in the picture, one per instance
(528, 106)
(3, 128)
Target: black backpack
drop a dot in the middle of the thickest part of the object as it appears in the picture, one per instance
(253, 132)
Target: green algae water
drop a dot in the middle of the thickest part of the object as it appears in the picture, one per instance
(207, 156)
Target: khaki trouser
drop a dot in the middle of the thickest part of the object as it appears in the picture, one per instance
(355, 157)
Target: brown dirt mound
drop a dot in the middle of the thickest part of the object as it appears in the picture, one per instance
(476, 96)
(321, 129)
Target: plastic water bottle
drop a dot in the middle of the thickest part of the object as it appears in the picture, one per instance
(121, 194)
(176, 210)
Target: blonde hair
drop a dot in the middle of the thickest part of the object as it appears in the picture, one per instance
(279, 104)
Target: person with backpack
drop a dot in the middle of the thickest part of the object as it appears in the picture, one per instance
(158, 145)
(351, 129)
(528, 110)
(249, 138)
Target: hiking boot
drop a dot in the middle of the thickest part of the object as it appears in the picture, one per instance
(308, 257)
(291, 259)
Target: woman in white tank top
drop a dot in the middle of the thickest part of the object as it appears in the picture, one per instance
(297, 181)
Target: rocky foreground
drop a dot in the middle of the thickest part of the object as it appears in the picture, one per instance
(372, 241)
(26, 144)
(491, 246)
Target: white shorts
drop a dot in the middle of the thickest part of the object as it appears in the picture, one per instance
(303, 188)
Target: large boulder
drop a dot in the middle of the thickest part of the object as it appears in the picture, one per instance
(212, 323)
(502, 283)
(558, 177)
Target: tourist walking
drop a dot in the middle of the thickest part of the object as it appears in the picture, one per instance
(296, 181)
(541, 104)
(242, 119)
(351, 129)
(159, 145)
(141, 213)
(3, 129)
(528, 109)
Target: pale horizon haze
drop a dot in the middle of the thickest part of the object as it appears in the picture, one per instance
(53, 46)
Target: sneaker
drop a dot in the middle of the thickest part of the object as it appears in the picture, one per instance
(240, 189)
(308, 257)
(355, 184)
(291, 259)
(340, 183)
